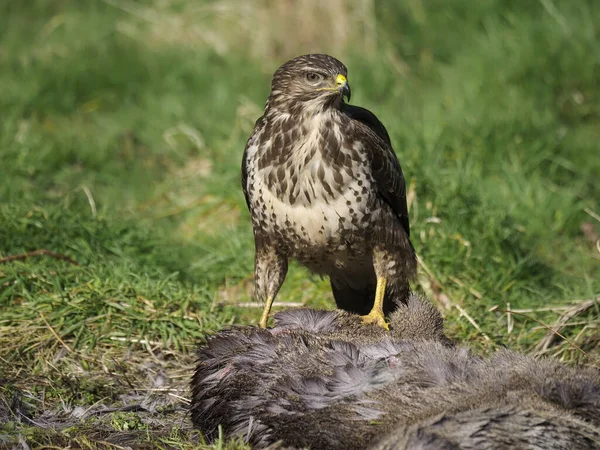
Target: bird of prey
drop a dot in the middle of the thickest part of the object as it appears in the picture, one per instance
(324, 186)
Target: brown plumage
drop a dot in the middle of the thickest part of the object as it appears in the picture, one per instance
(323, 380)
(324, 186)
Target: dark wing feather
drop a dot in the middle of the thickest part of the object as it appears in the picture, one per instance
(384, 163)
(369, 119)
(245, 178)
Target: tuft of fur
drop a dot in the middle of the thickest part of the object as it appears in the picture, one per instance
(322, 379)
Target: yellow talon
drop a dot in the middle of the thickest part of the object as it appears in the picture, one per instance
(376, 315)
(376, 318)
(265, 315)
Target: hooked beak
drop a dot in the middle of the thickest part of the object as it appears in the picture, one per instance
(342, 85)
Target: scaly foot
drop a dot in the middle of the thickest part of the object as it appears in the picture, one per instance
(263, 322)
(376, 314)
(265, 314)
(377, 318)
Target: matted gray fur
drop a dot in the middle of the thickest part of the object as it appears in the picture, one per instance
(322, 379)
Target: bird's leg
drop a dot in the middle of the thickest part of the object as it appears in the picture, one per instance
(270, 269)
(265, 315)
(376, 315)
(383, 263)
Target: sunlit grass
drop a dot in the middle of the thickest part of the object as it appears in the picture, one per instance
(123, 126)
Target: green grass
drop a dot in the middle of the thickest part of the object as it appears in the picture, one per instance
(121, 137)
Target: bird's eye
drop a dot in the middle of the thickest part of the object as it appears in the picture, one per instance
(311, 76)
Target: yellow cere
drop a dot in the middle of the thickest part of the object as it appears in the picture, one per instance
(340, 79)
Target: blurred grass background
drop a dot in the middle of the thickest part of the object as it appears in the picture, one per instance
(122, 129)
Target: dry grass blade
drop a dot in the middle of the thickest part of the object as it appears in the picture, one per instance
(554, 309)
(274, 305)
(466, 315)
(55, 334)
(433, 287)
(411, 194)
(550, 330)
(562, 322)
(40, 252)
(592, 214)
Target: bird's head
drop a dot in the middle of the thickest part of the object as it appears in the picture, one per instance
(309, 82)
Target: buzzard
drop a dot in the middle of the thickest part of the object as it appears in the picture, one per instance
(324, 186)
